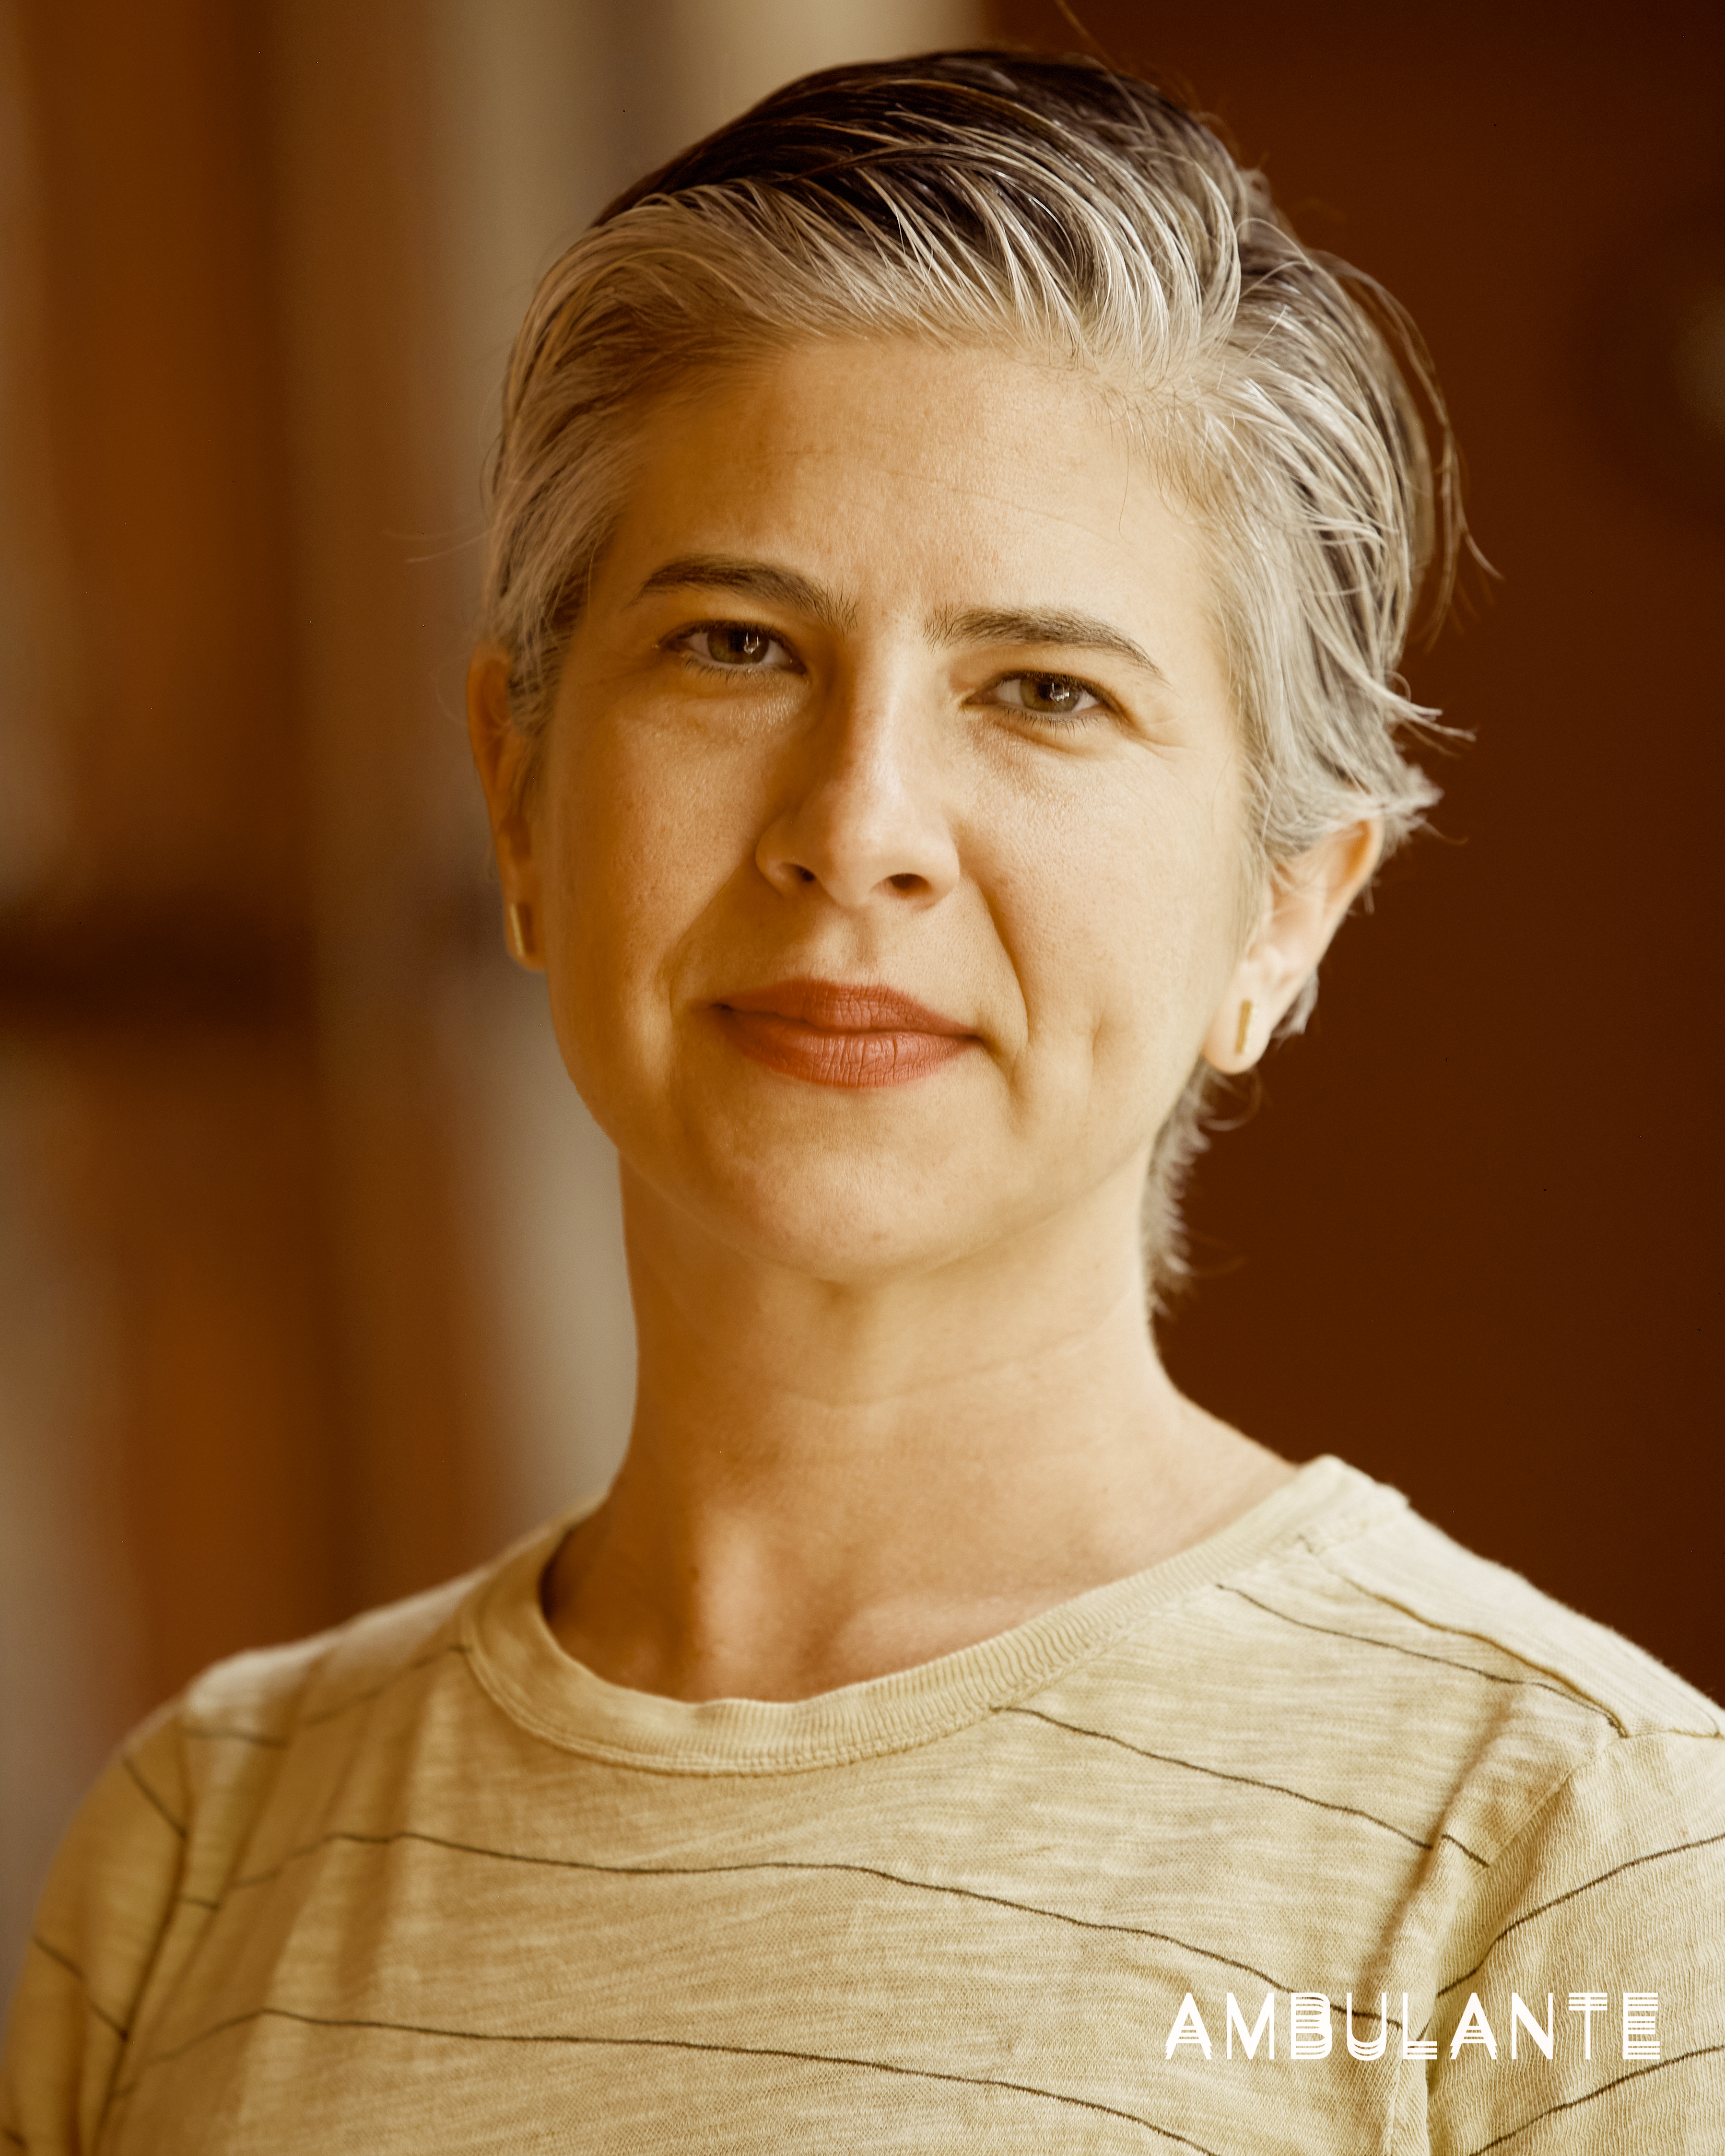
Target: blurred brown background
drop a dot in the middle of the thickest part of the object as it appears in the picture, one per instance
(309, 1273)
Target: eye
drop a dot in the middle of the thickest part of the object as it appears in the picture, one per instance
(735, 647)
(1047, 696)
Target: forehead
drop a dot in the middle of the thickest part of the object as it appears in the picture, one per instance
(906, 471)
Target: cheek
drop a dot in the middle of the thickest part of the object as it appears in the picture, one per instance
(642, 842)
(1119, 913)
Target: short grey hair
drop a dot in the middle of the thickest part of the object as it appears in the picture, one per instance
(968, 197)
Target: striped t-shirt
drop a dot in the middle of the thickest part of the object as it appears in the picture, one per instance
(1322, 1835)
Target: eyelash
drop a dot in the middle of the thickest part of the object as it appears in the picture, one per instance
(1098, 705)
(682, 640)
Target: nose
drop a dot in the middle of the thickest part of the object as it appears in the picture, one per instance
(864, 822)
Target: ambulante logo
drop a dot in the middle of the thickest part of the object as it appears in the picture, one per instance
(1310, 2021)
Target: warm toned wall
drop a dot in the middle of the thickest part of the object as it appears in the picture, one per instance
(241, 1400)
(1469, 1239)
(224, 952)
(311, 1278)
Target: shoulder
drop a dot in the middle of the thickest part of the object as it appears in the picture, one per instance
(1581, 1770)
(1379, 1617)
(1589, 1782)
(1390, 1576)
(1581, 1786)
(1454, 1676)
(1445, 1784)
(268, 1696)
(1354, 1610)
(151, 1849)
(205, 1762)
(239, 1739)
(1407, 1721)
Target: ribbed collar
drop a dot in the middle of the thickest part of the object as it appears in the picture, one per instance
(517, 1660)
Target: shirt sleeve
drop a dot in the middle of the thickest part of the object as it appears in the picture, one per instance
(102, 1917)
(1604, 1918)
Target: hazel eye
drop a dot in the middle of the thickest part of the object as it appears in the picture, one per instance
(736, 647)
(1047, 696)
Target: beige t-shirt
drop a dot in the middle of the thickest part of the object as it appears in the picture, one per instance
(426, 1884)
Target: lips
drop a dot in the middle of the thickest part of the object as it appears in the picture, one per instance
(833, 1033)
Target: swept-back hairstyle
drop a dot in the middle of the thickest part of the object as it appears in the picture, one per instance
(1083, 218)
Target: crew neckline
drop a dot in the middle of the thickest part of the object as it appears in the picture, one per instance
(516, 1658)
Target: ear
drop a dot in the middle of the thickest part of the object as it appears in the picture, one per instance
(500, 755)
(1303, 908)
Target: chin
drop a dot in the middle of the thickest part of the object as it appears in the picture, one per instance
(848, 1216)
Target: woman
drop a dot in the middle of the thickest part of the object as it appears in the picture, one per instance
(951, 549)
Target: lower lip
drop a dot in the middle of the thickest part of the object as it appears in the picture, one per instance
(857, 1061)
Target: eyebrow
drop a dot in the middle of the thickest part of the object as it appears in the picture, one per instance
(757, 580)
(1056, 626)
(1061, 627)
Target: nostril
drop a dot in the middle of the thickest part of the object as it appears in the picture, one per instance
(905, 881)
(802, 875)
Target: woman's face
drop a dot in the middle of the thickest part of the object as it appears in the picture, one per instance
(886, 854)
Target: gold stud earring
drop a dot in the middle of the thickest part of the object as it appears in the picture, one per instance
(1243, 1031)
(517, 929)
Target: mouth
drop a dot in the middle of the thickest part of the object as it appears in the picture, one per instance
(834, 1033)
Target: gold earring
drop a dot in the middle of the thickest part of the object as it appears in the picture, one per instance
(1243, 1031)
(517, 926)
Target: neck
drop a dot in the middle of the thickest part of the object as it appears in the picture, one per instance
(826, 1481)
